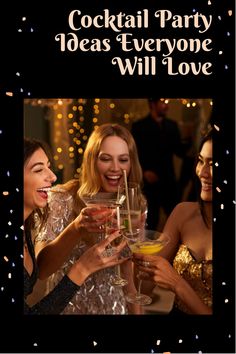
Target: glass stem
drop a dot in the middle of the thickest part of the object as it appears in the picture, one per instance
(118, 270)
(139, 287)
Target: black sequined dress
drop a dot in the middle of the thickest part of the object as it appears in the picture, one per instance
(55, 302)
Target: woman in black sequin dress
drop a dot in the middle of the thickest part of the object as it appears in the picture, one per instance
(38, 179)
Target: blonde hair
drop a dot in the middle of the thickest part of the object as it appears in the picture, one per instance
(90, 182)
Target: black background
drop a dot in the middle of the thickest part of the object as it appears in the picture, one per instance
(46, 72)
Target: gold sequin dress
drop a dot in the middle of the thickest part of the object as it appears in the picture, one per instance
(96, 295)
(197, 273)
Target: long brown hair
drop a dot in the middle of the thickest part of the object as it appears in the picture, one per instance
(208, 136)
(39, 215)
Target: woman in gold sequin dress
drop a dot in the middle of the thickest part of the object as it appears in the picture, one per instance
(190, 247)
(110, 150)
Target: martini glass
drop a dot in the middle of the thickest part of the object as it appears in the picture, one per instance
(145, 242)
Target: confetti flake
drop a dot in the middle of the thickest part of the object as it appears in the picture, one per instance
(5, 193)
(10, 94)
(94, 343)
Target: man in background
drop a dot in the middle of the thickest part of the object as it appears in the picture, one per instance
(158, 140)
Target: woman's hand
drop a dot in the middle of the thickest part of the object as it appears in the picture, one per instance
(92, 219)
(158, 270)
(95, 258)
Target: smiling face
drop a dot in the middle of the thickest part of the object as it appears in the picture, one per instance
(204, 171)
(38, 179)
(112, 159)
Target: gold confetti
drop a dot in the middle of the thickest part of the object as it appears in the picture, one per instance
(9, 93)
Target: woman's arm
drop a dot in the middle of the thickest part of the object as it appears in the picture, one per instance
(172, 229)
(51, 255)
(55, 302)
(91, 261)
(162, 273)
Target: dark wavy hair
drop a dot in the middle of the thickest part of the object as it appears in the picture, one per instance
(208, 136)
(38, 216)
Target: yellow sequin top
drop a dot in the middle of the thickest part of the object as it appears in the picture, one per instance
(197, 273)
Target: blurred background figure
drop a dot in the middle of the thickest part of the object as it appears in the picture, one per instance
(158, 139)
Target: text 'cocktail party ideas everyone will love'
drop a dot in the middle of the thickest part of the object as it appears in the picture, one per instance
(121, 25)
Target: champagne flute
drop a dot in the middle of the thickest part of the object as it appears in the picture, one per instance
(129, 208)
(149, 242)
(114, 224)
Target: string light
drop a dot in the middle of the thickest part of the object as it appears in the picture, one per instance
(80, 117)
